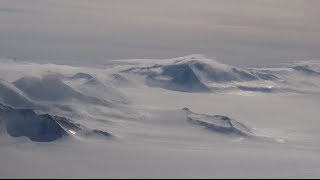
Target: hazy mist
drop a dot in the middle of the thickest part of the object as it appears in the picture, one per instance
(245, 33)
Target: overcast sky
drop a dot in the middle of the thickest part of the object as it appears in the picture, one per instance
(236, 32)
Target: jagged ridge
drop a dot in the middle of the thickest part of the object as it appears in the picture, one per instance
(217, 123)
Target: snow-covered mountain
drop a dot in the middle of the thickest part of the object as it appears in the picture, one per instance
(41, 127)
(158, 113)
(196, 73)
(103, 96)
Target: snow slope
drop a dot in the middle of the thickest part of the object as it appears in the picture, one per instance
(51, 88)
(94, 87)
(12, 96)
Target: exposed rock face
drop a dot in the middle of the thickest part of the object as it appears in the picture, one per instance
(25, 122)
(42, 127)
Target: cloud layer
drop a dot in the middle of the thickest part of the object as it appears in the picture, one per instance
(239, 33)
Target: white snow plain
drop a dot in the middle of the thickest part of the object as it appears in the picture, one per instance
(187, 117)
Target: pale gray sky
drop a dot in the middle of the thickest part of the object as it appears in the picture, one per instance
(237, 32)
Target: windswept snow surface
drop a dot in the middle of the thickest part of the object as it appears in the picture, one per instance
(187, 117)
